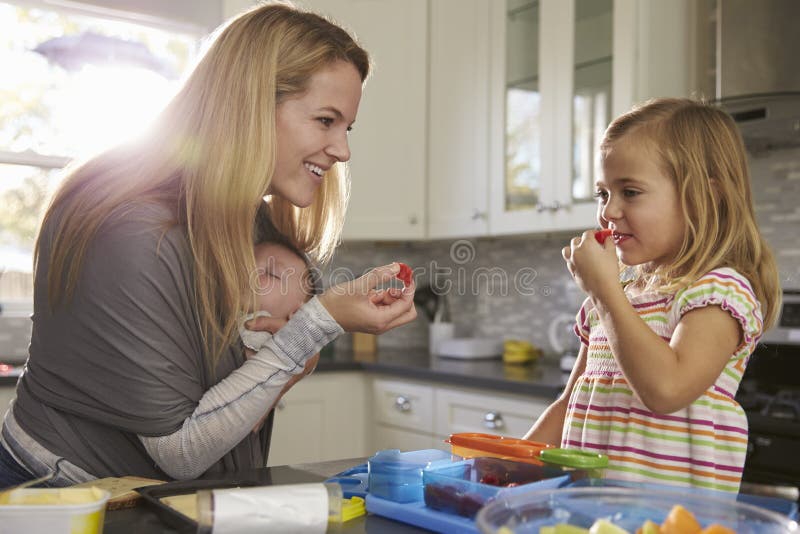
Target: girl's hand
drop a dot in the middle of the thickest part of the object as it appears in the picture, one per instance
(358, 307)
(593, 266)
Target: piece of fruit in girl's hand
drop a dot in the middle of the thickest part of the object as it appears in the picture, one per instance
(601, 235)
(405, 275)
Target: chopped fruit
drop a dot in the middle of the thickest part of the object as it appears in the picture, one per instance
(604, 526)
(405, 275)
(649, 527)
(680, 521)
(601, 235)
(490, 479)
(716, 528)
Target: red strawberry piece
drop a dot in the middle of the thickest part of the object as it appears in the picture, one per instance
(405, 275)
(601, 235)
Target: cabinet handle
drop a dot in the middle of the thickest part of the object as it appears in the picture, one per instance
(413, 220)
(493, 421)
(555, 206)
(402, 404)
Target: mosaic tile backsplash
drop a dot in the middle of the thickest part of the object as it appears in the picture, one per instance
(513, 287)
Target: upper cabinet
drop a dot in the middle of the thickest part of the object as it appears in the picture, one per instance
(389, 139)
(552, 95)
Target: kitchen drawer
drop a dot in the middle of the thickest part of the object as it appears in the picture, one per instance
(389, 437)
(403, 404)
(469, 411)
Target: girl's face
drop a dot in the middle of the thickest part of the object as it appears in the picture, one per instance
(312, 132)
(640, 203)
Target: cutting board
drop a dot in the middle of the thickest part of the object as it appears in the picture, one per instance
(121, 489)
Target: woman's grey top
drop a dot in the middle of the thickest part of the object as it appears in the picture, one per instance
(116, 382)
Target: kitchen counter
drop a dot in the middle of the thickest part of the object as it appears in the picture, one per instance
(542, 378)
(142, 519)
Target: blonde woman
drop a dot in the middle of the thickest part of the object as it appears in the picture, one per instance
(661, 358)
(145, 254)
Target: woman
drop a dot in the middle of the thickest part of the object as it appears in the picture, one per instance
(146, 251)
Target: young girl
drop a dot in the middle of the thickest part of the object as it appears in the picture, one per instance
(661, 359)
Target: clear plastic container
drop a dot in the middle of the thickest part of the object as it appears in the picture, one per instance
(462, 488)
(527, 512)
(476, 444)
(397, 476)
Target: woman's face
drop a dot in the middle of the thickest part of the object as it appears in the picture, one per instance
(312, 130)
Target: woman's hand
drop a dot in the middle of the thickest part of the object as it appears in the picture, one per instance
(594, 266)
(358, 307)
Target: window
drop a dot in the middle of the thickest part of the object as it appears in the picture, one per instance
(73, 83)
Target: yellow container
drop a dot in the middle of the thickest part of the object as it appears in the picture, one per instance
(53, 510)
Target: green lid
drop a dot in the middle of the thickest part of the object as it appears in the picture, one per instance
(574, 458)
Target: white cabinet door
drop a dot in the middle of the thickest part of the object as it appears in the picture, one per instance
(531, 163)
(7, 394)
(388, 142)
(321, 418)
(460, 410)
(458, 166)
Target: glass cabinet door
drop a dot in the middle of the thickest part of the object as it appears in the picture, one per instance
(592, 98)
(523, 132)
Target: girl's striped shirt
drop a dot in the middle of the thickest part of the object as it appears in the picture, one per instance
(703, 445)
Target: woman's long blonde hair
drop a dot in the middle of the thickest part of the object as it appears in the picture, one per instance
(699, 146)
(210, 158)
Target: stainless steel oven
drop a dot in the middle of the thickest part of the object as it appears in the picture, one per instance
(770, 395)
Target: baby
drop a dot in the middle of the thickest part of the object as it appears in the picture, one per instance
(281, 283)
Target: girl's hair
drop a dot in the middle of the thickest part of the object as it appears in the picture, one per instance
(210, 158)
(700, 148)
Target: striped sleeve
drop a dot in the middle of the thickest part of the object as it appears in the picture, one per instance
(582, 321)
(733, 293)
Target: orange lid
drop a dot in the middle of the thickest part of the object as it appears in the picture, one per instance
(512, 447)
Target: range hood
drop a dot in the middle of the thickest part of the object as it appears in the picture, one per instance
(758, 69)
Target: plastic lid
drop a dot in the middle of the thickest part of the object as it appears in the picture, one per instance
(511, 447)
(574, 458)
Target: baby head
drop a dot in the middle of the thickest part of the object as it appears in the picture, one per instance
(282, 281)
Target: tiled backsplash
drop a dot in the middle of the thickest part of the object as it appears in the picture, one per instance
(512, 287)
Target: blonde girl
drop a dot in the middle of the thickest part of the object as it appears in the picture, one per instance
(662, 356)
(145, 253)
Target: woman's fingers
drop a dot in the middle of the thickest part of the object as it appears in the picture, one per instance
(378, 276)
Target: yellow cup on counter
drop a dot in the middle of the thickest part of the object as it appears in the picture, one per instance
(53, 510)
(518, 352)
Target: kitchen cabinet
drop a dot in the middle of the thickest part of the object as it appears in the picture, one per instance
(458, 165)
(7, 394)
(321, 418)
(389, 140)
(403, 415)
(410, 415)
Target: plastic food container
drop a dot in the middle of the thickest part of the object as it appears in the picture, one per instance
(464, 487)
(54, 510)
(527, 512)
(592, 464)
(397, 476)
(472, 445)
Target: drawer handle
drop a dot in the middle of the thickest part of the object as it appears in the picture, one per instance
(402, 404)
(493, 420)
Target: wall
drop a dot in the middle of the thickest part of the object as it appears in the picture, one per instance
(513, 287)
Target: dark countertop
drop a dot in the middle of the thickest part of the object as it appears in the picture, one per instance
(541, 379)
